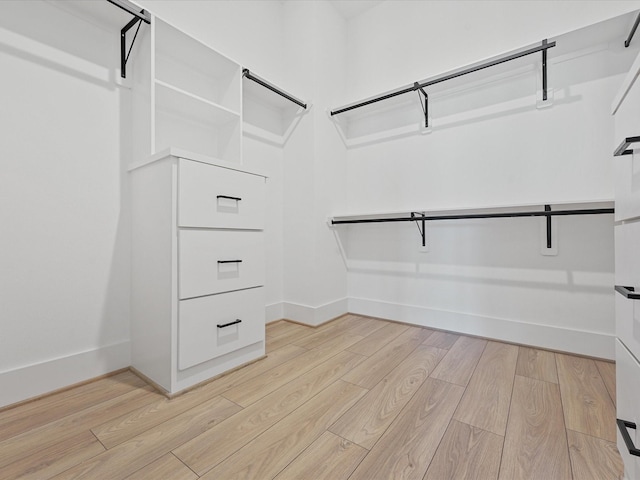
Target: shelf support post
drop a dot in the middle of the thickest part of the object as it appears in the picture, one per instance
(547, 208)
(425, 107)
(423, 231)
(544, 72)
(124, 56)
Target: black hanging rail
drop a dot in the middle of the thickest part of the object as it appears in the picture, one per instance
(543, 47)
(417, 216)
(422, 217)
(261, 81)
(139, 17)
(624, 149)
(627, 42)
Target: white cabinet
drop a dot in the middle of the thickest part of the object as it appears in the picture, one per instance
(185, 95)
(198, 306)
(626, 109)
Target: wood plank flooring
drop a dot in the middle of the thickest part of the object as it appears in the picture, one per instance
(356, 398)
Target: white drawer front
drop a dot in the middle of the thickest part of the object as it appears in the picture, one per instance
(199, 336)
(628, 406)
(627, 254)
(627, 167)
(215, 197)
(215, 261)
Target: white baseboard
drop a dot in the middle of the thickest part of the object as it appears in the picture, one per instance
(582, 342)
(274, 312)
(28, 382)
(314, 316)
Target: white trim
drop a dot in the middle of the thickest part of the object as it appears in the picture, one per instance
(33, 380)
(315, 316)
(595, 344)
(274, 312)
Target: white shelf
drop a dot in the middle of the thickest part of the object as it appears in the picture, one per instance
(523, 207)
(191, 66)
(225, 115)
(185, 121)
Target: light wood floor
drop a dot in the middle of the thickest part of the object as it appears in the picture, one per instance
(357, 398)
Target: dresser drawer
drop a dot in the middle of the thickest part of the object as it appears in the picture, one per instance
(216, 197)
(626, 168)
(208, 326)
(216, 261)
(628, 407)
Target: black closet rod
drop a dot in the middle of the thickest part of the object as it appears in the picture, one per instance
(246, 73)
(543, 47)
(588, 211)
(132, 9)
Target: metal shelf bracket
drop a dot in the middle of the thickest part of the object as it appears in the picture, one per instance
(139, 16)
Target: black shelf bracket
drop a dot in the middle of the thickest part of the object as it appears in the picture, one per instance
(627, 42)
(424, 104)
(624, 149)
(547, 208)
(543, 47)
(261, 81)
(139, 16)
(419, 217)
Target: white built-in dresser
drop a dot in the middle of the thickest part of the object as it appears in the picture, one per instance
(626, 109)
(198, 304)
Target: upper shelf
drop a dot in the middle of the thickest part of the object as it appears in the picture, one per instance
(515, 210)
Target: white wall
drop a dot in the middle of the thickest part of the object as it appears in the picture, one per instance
(64, 251)
(489, 145)
(315, 277)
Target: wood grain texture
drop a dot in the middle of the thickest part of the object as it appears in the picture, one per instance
(593, 458)
(56, 458)
(466, 452)
(68, 427)
(607, 371)
(271, 452)
(459, 363)
(485, 403)
(128, 457)
(255, 419)
(535, 445)
(15, 421)
(443, 340)
(330, 457)
(283, 327)
(168, 467)
(367, 420)
(538, 364)
(249, 392)
(587, 405)
(407, 447)
(287, 431)
(129, 425)
(378, 365)
(374, 342)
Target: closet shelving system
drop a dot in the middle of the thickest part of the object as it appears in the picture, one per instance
(565, 45)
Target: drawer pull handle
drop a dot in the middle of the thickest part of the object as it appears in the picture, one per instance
(622, 426)
(628, 292)
(229, 261)
(230, 323)
(237, 199)
(624, 149)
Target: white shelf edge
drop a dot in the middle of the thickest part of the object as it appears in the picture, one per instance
(196, 157)
(593, 203)
(196, 97)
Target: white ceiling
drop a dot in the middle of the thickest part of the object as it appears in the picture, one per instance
(352, 8)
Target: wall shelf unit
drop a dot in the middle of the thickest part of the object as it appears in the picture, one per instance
(421, 216)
